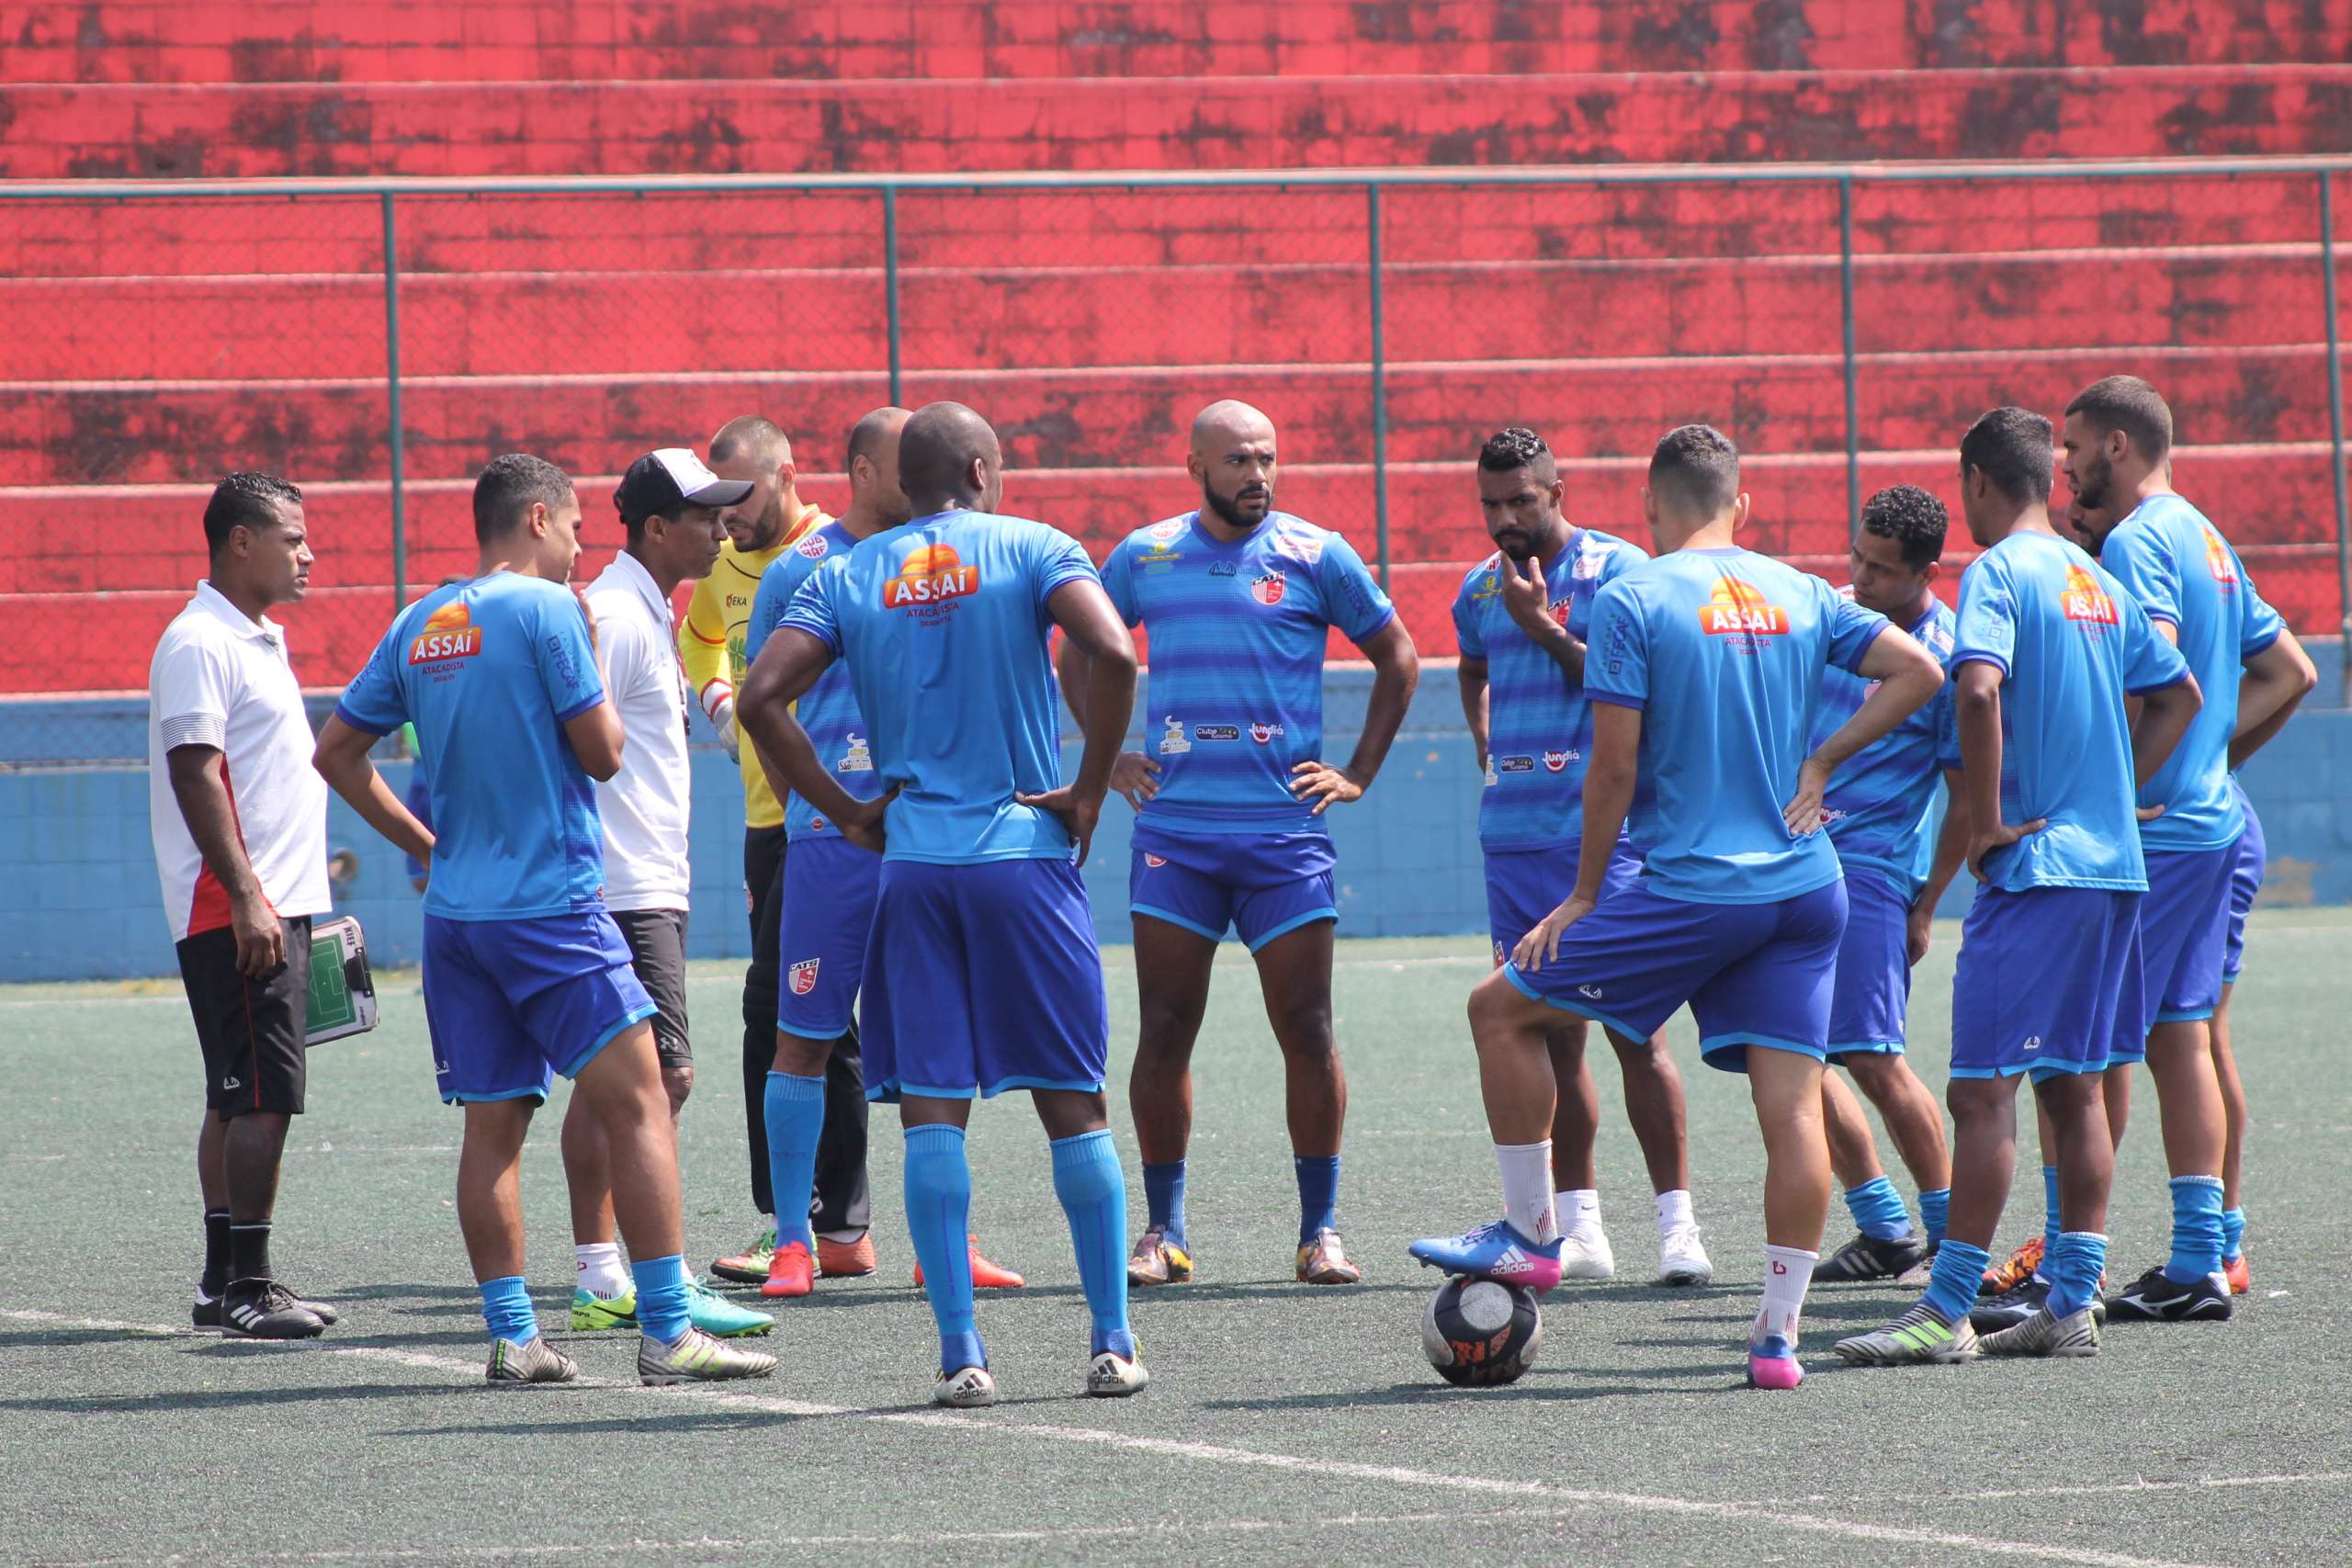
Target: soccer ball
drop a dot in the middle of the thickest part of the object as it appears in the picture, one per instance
(1480, 1334)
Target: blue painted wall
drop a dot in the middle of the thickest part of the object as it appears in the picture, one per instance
(78, 895)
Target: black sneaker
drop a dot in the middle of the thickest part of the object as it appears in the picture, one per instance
(263, 1309)
(2153, 1298)
(204, 1313)
(1867, 1257)
(319, 1310)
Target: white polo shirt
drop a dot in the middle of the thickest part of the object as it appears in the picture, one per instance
(221, 679)
(644, 806)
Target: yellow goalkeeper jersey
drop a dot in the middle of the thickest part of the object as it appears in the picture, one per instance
(710, 643)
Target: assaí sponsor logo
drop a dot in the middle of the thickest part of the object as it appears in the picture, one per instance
(2218, 561)
(2085, 600)
(1736, 607)
(932, 574)
(449, 634)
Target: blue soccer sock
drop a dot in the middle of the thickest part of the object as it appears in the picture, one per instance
(939, 1214)
(1878, 1209)
(796, 1114)
(1094, 1192)
(2233, 1234)
(662, 1305)
(1935, 1212)
(1951, 1288)
(2050, 1225)
(506, 1307)
(1318, 1194)
(1163, 1198)
(2197, 1229)
(2074, 1267)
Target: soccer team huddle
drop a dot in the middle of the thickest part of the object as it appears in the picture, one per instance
(1710, 780)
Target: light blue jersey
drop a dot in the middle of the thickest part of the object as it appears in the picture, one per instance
(1881, 805)
(2183, 572)
(489, 671)
(943, 626)
(1731, 645)
(1539, 725)
(1238, 633)
(828, 710)
(2069, 643)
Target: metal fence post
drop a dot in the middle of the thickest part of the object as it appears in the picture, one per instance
(1846, 307)
(392, 389)
(2335, 433)
(1379, 389)
(890, 284)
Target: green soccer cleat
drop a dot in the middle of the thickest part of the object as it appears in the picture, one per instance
(749, 1267)
(1917, 1338)
(596, 1315)
(721, 1318)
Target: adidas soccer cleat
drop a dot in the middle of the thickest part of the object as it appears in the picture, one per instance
(968, 1387)
(1587, 1257)
(2153, 1298)
(1112, 1376)
(535, 1361)
(1682, 1261)
(749, 1267)
(2240, 1277)
(721, 1318)
(264, 1309)
(1324, 1261)
(791, 1270)
(593, 1314)
(1869, 1257)
(1156, 1260)
(698, 1357)
(2013, 1272)
(2042, 1334)
(1493, 1251)
(1919, 1337)
(1919, 1276)
(1772, 1363)
(985, 1276)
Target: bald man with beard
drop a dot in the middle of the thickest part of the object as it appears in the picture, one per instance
(1237, 599)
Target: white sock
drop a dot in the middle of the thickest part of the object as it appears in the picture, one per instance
(1527, 1189)
(598, 1264)
(1674, 1209)
(1578, 1212)
(1787, 1271)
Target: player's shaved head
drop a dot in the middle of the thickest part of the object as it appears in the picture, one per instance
(1233, 458)
(1229, 422)
(948, 457)
(873, 433)
(751, 438)
(877, 494)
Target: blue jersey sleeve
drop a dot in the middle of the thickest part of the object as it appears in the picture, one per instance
(1119, 583)
(1617, 660)
(2149, 660)
(2141, 558)
(567, 660)
(2260, 625)
(1988, 616)
(812, 610)
(1056, 560)
(1852, 629)
(1946, 709)
(1351, 597)
(374, 700)
(1466, 635)
(768, 605)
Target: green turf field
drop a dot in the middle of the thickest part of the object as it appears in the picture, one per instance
(1282, 1422)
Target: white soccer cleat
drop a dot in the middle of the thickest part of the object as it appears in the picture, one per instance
(1586, 1256)
(967, 1388)
(1113, 1376)
(1683, 1258)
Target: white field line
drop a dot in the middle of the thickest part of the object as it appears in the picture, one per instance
(1540, 1493)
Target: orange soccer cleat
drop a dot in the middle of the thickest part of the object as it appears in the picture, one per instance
(985, 1276)
(846, 1259)
(2240, 1277)
(2007, 1276)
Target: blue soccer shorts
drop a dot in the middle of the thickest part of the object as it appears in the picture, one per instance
(829, 885)
(1524, 885)
(2047, 981)
(1755, 975)
(2246, 862)
(1261, 884)
(513, 1003)
(2185, 932)
(982, 978)
(1873, 991)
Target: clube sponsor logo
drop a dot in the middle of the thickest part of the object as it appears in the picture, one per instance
(1216, 732)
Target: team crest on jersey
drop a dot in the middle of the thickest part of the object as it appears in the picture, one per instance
(931, 575)
(1557, 761)
(1161, 532)
(803, 975)
(814, 546)
(449, 633)
(2218, 561)
(857, 759)
(1263, 732)
(1559, 608)
(1171, 740)
(1267, 587)
(1740, 607)
(2085, 600)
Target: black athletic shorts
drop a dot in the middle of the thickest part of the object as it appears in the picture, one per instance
(656, 951)
(251, 1030)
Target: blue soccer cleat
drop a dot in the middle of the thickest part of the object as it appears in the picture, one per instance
(1494, 1251)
